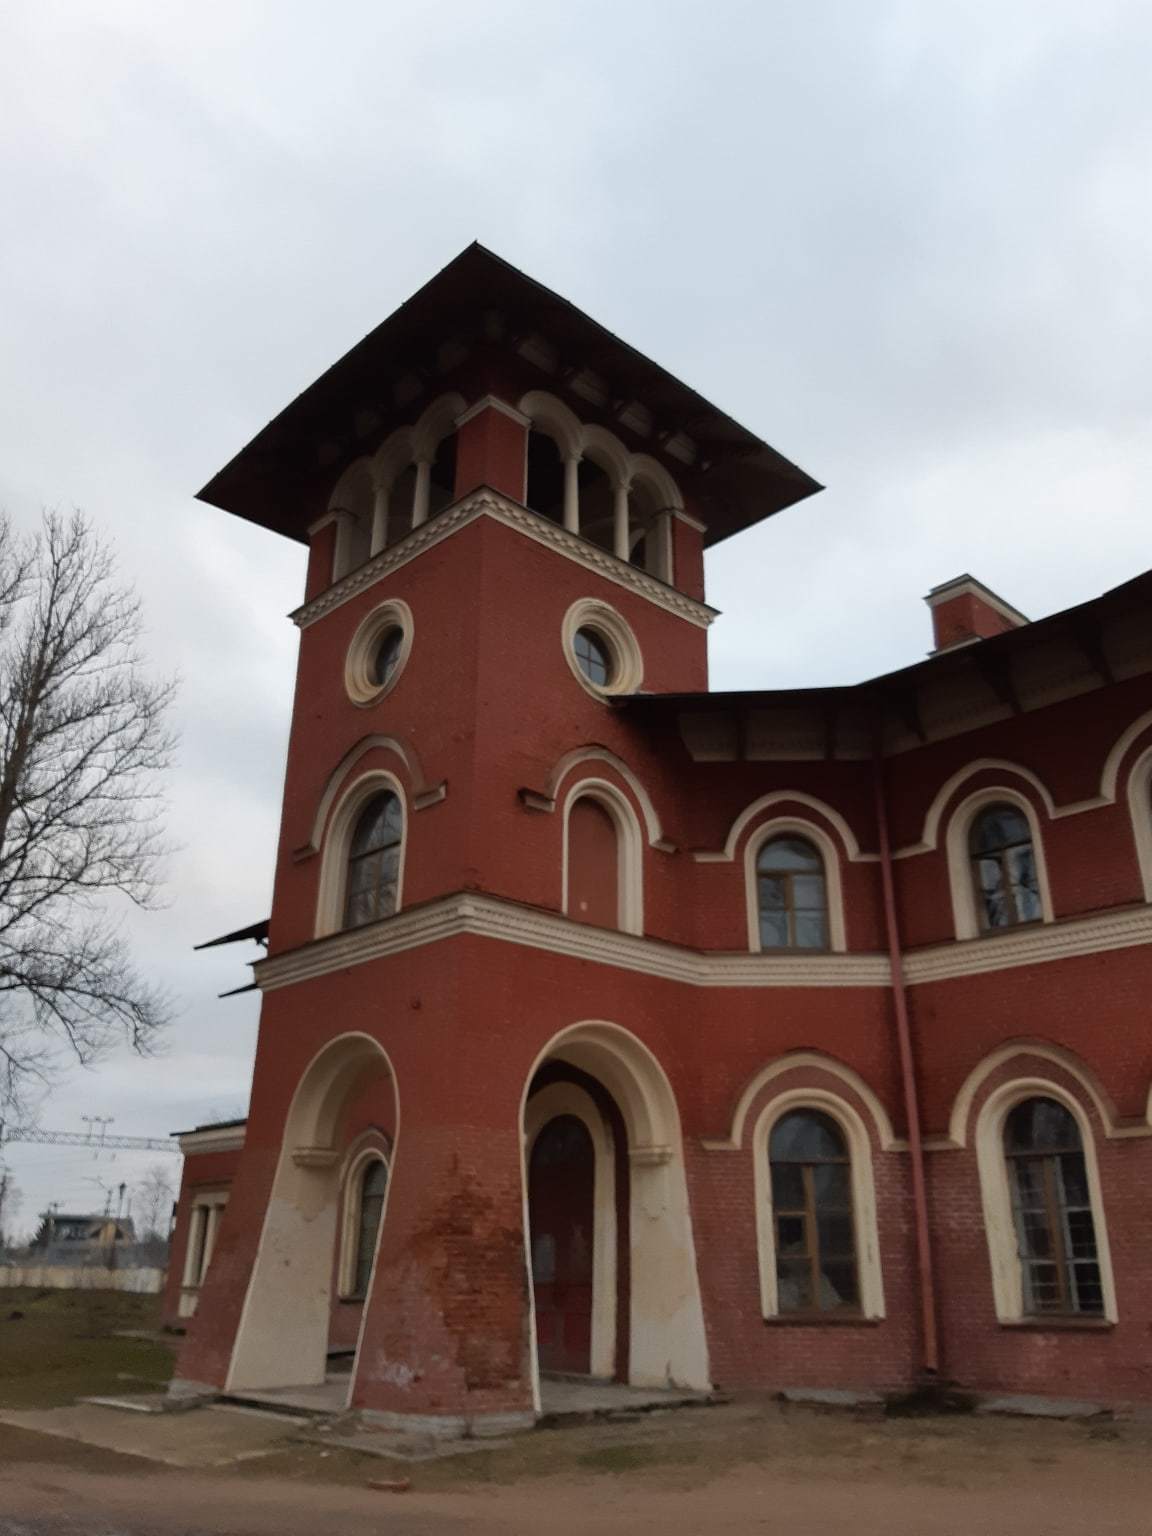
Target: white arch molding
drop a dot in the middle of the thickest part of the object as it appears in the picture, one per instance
(338, 836)
(577, 440)
(866, 1232)
(368, 1148)
(667, 1345)
(996, 1195)
(965, 914)
(807, 1061)
(1140, 812)
(290, 1287)
(629, 850)
(544, 1106)
(1041, 1050)
(782, 826)
(787, 797)
(599, 754)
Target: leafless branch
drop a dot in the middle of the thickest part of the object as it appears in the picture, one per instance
(83, 743)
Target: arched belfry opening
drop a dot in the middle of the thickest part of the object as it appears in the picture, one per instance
(285, 1329)
(611, 1257)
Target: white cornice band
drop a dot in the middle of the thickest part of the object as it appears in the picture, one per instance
(487, 917)
(488, 503)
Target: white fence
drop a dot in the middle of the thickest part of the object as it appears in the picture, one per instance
(63, 1277)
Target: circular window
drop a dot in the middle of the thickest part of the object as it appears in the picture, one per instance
(601, 649)
(379, 652)
(594, 657)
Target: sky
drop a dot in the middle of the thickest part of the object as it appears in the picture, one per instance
(907, 244)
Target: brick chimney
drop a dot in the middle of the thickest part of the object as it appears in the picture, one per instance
(964, 610)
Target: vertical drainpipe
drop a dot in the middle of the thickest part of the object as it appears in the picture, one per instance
(930, 1344)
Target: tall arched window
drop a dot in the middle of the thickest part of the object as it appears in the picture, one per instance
(374, 861)
(369, 1191)
(812, 1214)
(1004, 872)
(593, 864)
(792, 895)
(1052, 1210)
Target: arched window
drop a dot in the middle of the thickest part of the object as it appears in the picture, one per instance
(374, 861)
(792, 895)
(812, 1213)
(369, 1191)
(1052, 1210)
(1004, 871)
(593, 864)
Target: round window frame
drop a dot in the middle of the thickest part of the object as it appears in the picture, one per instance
(614, 632)
(360, 662)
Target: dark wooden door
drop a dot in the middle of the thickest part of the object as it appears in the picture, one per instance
(561, 1184)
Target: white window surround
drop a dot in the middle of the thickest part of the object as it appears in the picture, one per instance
(996, 1195)
(867, 1237)
(337, 838)
(965, 916)
(204, 1215)
(629, 847)
(592, 613)
(351, 1185)
(358, 664)
(782, 826)
(570, 1099)
(1140, 809)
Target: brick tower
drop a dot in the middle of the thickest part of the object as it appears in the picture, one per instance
(506, 509)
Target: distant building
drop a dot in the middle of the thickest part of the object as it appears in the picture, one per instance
(617, 1027)
(74, 1239)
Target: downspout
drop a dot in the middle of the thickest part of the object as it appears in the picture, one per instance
(930, 1344)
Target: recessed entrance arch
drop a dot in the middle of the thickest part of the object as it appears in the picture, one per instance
(659, 1311)
(282, 1340)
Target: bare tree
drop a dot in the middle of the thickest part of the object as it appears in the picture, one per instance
(83, 740)
(152, 1199)
(10, 1202)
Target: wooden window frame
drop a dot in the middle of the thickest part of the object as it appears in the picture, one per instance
(1056, 1211)
(790, 908)
(1007, 884)
(810, 1212)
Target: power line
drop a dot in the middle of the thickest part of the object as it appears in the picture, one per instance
(95, 1143)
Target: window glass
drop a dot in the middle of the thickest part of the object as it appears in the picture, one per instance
(373, 1187)
(387, 657)
(1004, 868)
(374, 862)
(792, 895)
(814, 1224)
(1052, 1210)
(594, 657)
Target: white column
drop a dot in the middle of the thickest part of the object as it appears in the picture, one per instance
(662, 533)
(379, 519)
(423, 490)
(621, 522)
(192, 1260)
(572, 494)
(214, 1214)
(345, 527)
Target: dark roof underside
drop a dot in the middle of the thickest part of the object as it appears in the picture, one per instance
(272, 481)
(1081, 621)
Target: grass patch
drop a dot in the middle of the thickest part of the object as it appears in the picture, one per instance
(59, 1345)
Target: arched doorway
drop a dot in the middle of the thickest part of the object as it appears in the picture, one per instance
(561, 1214)
(635, 1299)
(283, 1337)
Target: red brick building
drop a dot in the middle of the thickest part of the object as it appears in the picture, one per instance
(618, 1027)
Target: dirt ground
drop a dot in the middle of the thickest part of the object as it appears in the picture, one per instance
(744, 1466)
